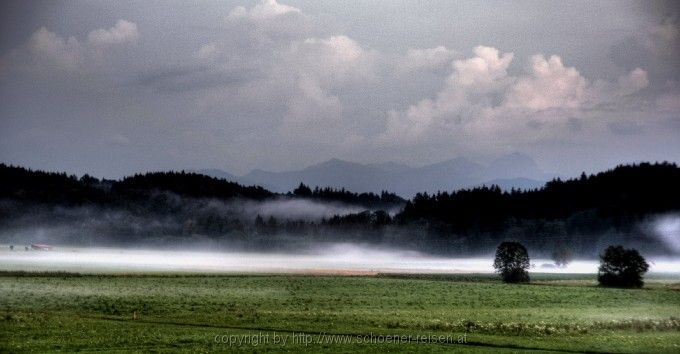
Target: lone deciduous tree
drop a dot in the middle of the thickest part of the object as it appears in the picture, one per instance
(512, 262)
(620, 267)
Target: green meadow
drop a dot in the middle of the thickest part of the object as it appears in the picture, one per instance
(62, 312)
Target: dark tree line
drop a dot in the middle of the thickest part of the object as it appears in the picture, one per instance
(624, 193)
(159, 205)
(19, 183)
(563, 218)
(186, 184)
(572, 212)
(384, 200)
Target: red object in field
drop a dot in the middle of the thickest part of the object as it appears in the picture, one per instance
(41, 247)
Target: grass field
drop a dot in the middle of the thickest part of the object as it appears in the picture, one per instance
(204, 313)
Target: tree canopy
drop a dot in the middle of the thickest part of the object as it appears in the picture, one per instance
(512, 262)
(621, 267)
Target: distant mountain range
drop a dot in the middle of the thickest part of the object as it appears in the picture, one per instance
(509, 171)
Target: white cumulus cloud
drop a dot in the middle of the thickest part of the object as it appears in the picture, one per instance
(265, 9)
(549, 85)
(47, 51)
(54, 49)
(464, 91)
(635, 81)
(427, 59)
(481, 101)
(123, 32)
(333, 60)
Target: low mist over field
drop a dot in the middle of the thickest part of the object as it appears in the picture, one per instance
(341, 259)
(92, 224)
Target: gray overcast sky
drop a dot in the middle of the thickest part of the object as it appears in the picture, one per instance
(112, 88)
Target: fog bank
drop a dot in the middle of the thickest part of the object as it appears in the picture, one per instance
(334, 259)
(667, 229)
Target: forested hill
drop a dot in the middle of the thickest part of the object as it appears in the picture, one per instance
(610, 199)
(187, 185)
(22, 184)
(627, 191)
(385, 200)
(48, 187)
(621, 206)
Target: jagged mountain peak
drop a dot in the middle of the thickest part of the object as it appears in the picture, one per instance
(512, 170)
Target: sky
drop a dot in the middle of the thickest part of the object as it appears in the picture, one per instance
(113, 88)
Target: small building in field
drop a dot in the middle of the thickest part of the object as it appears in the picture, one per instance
(40, 247)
